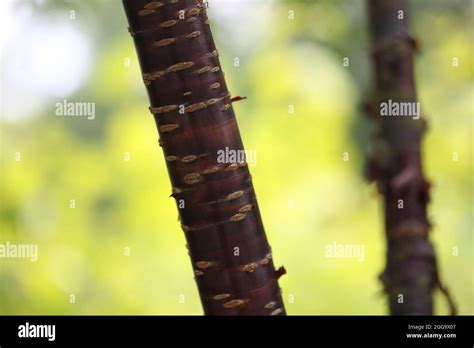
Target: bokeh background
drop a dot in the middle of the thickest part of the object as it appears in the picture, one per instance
(121, 251)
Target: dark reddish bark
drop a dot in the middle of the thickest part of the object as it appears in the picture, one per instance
(396, 165)
(231, 257)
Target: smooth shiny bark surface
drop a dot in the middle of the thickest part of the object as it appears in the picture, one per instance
(219, 214)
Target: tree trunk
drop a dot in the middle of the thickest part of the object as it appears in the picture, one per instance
(395, 164)
(219, 215)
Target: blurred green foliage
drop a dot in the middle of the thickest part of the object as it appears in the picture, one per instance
(309, 197)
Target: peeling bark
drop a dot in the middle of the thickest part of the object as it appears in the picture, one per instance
(230, 254)
(395, 165)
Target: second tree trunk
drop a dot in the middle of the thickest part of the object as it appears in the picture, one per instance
(396, 165)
